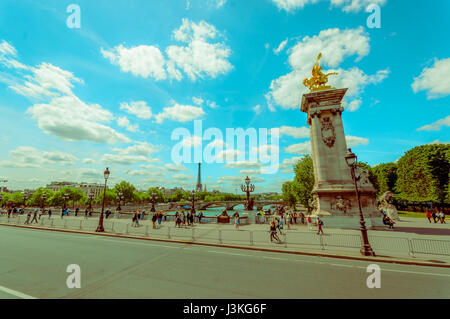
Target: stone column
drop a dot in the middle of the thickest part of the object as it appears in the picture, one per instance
(334, 190)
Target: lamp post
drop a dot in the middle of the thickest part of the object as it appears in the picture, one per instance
(65, 197)
(352, 162)
(44, 199)
(153, 200)
(120, 197)
(193, 201)
(91, 197)
(248, 188)
(100, 222)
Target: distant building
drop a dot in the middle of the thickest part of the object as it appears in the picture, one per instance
(86, 188)
(170, 191)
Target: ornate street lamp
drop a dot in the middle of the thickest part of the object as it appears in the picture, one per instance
(153, 200)
(25, 197)
(193, 201)
(44, 199)
(100, 222)
(65, 197)
(120, 197)
(91, 197)
(248, 188)
(352, 162)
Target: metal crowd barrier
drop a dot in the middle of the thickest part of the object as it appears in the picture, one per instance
(295, 239)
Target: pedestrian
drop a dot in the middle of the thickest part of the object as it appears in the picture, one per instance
(27, 222)
(143, 215)
(154, 220)
(86, 213)
(295, 217)
(273, 232)
(118, 209)
(183, 218)
(319, 224)
(434, 215)
(134, 220)
(49, 213)
(76, 211)
(192, 218)
(277, 224)
(289, 220)
(62, 213)
(188, 218)
(443, 216)
(200, 215)
(309, 222)
(35, 216)
(160, 215)
(428, 214)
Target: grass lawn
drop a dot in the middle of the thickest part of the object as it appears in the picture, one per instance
(402, 213)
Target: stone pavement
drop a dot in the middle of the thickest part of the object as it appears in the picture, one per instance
(413, 239)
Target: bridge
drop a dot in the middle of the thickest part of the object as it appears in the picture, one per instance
(228, 205)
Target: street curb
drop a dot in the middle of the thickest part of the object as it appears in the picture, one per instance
(397, 261)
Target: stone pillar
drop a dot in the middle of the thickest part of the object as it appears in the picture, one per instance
(334, 190)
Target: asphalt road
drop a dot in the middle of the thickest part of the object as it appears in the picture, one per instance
(33, 265)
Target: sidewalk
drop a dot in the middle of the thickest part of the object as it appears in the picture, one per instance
(389, 245)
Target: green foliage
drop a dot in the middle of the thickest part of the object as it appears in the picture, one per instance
(76, 196)
(127, 190)
(424, 173)
(8, 199)
(289, 194)
(37, 198)
(159, 197)
(110, 197)
(386, 177)
(304, 181)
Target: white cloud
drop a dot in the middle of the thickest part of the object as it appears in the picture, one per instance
(336, 45)
(124, 122)
(435, 80)
(290, 162)
(46, 80)
(197, 100)
(436, 126)
(122, 159)
(355, 141)
(346, 5)
(7, 55)
(212, 104)
(143, 60)
(217, 3)
(141, 148)
(217, 143)
(228, 155)
(257, 109)
(192, 141)
(244, 164)
(281, 47)
(296, 132)
(175, 167)
(27, 156)
(300, 148)
(71, 119)
(138, 108)
(199, 57)
(180, 113)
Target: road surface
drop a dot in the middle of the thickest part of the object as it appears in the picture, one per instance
(33, 265)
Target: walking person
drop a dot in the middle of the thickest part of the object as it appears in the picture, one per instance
(294, 216)
(76, 211)
(35, 216)
(143, 215)
(49, 213)
(200, 215)
(134, 220)
(319, 224)
(434, 215)
(428, 215)
(289, 220)
(236, 221)
(309, 222)
(27, 222)
(273, 232)
(443, 216)
(154, 220)
(160, 216)
(86, 213)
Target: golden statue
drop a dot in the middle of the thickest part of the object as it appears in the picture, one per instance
(319, 79)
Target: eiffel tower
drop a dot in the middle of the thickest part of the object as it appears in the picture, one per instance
(198, 188)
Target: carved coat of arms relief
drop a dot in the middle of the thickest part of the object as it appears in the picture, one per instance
(328, 133)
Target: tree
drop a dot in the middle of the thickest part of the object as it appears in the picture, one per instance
(386, 177)
(127, 190)
(76, 196)
(372, 177)
(303, 183)
(424, 173)
(159, 197)
(110, 197)
(289, 194)
(37, 198)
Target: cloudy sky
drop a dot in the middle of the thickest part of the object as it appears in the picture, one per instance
(112, 92)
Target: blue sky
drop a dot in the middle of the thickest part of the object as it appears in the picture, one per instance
(75, 100)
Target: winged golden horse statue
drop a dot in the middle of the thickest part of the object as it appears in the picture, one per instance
(319, 79)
